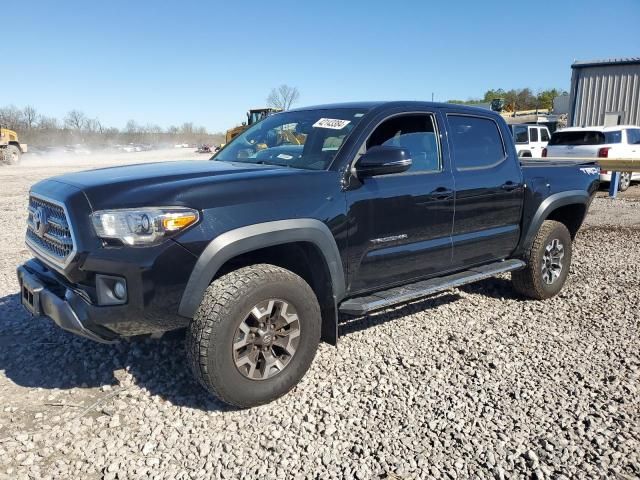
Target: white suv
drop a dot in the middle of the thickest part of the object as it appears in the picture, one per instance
(620, 141)
(530, 139)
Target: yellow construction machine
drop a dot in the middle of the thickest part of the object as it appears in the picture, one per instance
(253, 116)
(10, 148)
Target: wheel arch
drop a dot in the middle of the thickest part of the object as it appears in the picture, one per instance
(304, 246)
(568, 208)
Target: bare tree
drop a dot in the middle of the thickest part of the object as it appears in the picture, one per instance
(132, 127)
(47, 123)
(75, 120)
(283, 97)
(29, 117)
(93, 125)
(11, 117)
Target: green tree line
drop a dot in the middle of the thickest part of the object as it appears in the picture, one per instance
(517, 98)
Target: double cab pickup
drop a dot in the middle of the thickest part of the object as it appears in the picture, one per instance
(308, 216)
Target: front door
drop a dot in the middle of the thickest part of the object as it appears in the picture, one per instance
(489, 190)
(401, 223)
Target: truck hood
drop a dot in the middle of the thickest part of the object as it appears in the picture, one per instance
(163, 183)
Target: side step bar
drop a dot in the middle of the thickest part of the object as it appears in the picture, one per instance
(414, 291)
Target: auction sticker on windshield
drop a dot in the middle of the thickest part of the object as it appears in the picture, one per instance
(333, 123)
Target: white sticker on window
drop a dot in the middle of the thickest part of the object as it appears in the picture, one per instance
(332, 123)
(284, 156)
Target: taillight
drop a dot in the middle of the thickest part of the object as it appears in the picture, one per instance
(604, 172)
(544, 152)
(604, 152)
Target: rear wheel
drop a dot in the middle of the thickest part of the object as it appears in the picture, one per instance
(625, 181)
(254, 335)
(548, 261)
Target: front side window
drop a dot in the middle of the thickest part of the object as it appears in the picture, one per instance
(544, 135)
(633, 136)
(307, 139)
(414, 132)
(534, 134)
(521, 134)
(476, 141)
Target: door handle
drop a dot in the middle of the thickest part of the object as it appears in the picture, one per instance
(509, 186)
(441, 193)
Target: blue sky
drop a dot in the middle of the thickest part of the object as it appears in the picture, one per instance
(208, 62)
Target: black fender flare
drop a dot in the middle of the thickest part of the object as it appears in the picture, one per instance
(253, 237)
(548, 205)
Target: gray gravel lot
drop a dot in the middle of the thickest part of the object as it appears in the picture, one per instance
(473, 383)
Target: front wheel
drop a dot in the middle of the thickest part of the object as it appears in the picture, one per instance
(254, 335)
(12, 155)
(548, 261)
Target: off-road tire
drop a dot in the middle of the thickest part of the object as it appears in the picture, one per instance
(625, 181)
(226, 304)
(11, 155)
(529, 281)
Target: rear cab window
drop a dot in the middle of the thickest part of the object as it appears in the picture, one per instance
(533, 133)
(476, 141)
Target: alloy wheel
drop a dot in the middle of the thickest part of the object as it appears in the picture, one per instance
(552, 261)
(266, 340)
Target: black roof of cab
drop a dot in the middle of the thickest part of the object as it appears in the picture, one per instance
(409, 104)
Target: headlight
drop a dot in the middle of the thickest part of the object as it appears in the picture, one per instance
(143, 226)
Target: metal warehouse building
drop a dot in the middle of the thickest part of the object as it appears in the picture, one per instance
(605, 92)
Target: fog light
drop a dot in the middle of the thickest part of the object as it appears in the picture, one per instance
(111, 290)
(119, 290)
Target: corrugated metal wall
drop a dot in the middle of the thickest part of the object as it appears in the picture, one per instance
(607, 88)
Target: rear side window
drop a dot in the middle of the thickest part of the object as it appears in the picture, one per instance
(476, 142)
(534, 134)
(544, 135)
(585, 137)
(521, 134)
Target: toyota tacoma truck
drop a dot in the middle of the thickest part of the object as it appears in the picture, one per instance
(308, 216)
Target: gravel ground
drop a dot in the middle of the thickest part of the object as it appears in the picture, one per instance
(473, 383)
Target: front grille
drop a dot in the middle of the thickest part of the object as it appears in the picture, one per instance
(48, 230)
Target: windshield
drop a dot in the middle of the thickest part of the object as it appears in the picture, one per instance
(307, 139)
(585, 137)
(255, 117)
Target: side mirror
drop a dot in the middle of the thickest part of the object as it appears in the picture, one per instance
(383, 160)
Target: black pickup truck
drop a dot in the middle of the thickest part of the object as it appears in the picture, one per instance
(309, 214)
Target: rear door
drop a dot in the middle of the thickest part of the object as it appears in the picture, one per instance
(534, 142)
(489, 190)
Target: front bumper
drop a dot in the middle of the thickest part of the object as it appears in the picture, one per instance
(68, 310)
(154, 289)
